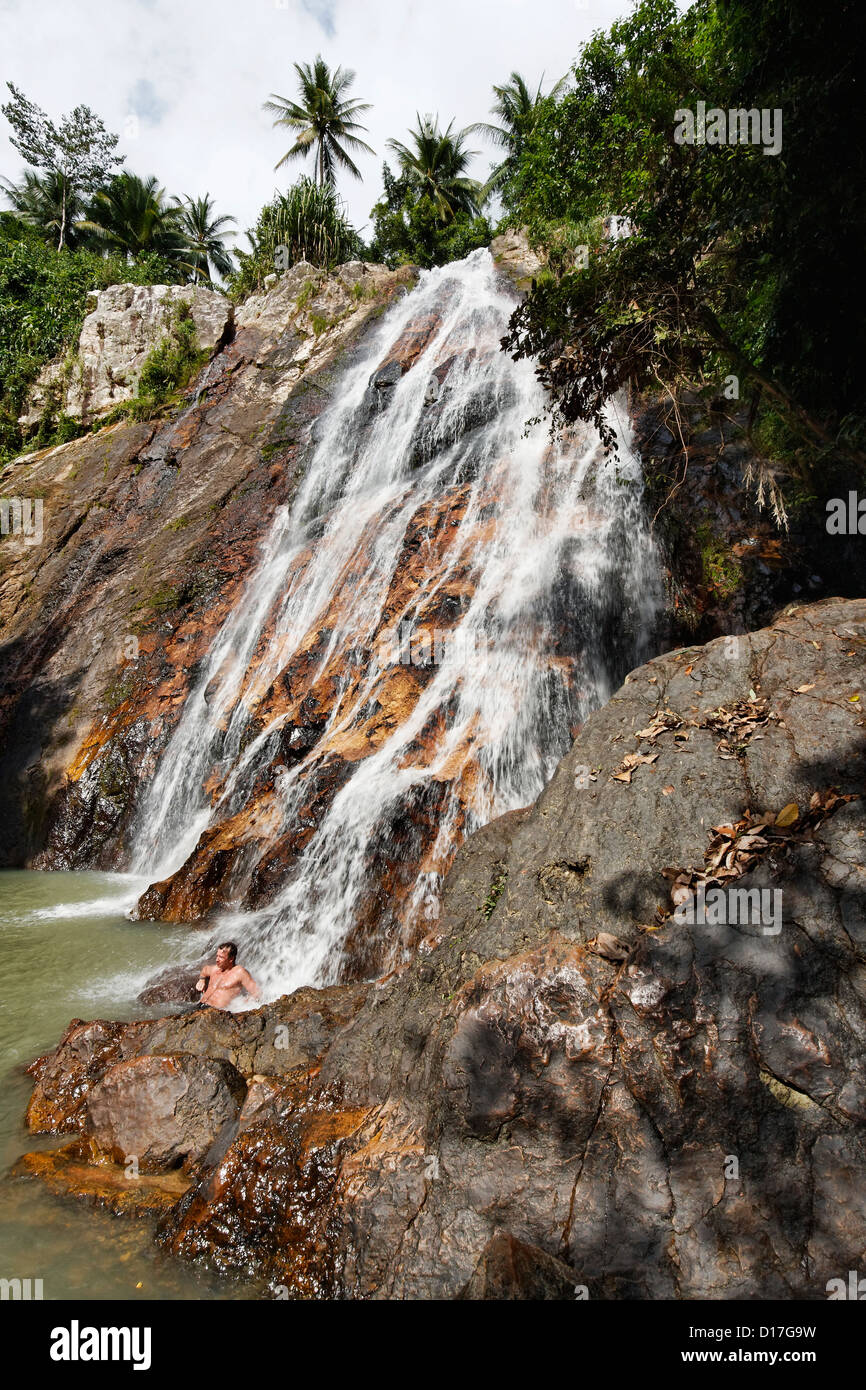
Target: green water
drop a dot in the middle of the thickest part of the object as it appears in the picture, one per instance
(68, 952)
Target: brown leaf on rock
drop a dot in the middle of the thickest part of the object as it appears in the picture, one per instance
(736, 849)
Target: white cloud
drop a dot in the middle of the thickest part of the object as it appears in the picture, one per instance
(195, 73)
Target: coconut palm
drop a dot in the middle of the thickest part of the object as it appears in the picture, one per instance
(517, 111)
(436, 167)
(205, 237)
(324, 118)
(49, 202)
(132, 216)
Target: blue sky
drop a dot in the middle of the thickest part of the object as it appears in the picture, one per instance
(183, 81)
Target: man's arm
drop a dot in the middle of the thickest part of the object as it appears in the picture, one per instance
(248, 982)
(204, 976)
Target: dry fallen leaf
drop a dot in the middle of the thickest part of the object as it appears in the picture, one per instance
(801, 689)
(788, 815)
(666, 791)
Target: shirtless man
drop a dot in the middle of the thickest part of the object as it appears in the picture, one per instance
(220, 983)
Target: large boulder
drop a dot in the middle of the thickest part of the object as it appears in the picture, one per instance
(575, 1083)
(292, 1032)
(164, 1111)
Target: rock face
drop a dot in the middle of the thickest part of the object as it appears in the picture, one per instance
(126, 323)
(573, 1086)
(729, 565)
(515, 258)
(271, 1041)
(150, 529)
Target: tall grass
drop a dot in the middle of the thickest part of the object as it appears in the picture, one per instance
(307, 223)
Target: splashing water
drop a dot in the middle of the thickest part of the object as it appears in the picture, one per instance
(464, 588)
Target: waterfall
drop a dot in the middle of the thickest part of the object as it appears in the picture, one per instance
(449, 595)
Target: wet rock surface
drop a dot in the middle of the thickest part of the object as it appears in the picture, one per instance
(69, 1172)
(730, 563)
(269, 1041)
(570, 1082)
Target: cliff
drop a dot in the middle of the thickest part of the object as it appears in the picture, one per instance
(149, 530)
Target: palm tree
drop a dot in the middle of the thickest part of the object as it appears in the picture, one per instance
(205, 237)
(131, 216)
(324, 117)
(49, 202)
(436, 167)
(517, 110)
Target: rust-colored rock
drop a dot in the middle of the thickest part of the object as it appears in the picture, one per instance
(107, 1186)
(164, 1111)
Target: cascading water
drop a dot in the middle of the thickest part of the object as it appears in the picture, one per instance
(449, 595)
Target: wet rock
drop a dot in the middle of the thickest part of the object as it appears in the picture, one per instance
(262, 1098)
(730, 564)
(165, 1111)
(151, 531)
(274, 1040)
(64, 1077)
(509, 1269)
(685, 1122)
(173, 986)
(110, 1187)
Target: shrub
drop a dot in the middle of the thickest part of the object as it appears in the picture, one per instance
(308, 223)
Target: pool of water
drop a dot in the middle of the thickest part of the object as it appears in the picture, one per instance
(69, 952)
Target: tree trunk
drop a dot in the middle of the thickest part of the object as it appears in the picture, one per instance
(62, 219)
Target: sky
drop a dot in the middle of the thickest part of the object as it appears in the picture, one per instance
(183, 81)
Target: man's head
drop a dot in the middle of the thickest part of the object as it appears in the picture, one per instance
(226, 955)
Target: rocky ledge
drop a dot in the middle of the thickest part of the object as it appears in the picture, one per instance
(578, 1088)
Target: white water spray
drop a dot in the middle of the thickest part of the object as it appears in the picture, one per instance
(545, 544)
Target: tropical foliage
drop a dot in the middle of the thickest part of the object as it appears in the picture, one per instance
(203, 235)
(517, 112)
(48, 202)
(132, 217)
(43, 301)
(431, 210)
(308, 223)
(79, 152)
(731, 271)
